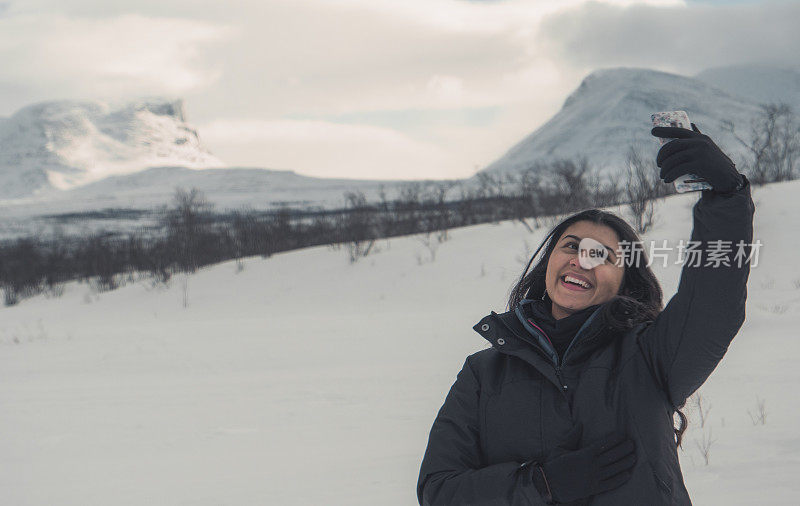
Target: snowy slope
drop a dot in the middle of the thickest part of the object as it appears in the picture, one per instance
(230, 187)
(64, 144)
(227, 188)
(610, 111)
(250, 395)
(759, 83)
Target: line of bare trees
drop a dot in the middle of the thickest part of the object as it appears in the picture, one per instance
(192, 234)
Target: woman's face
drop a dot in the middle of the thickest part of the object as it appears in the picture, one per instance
(604, 280)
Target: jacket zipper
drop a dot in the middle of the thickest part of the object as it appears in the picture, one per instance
(560, 378)
(577, 334)
(536, 346)
(560, 361)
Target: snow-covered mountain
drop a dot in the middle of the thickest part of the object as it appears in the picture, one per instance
(73, 157)
(67, 157)
(610, 111)
(64, 144)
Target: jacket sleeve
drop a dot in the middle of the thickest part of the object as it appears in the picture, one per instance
(690, 336)
(451, 472)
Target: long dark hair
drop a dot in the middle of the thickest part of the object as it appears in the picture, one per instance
(639, 299)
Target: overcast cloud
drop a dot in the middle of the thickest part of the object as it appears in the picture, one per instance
(687, 40)
(367, 88)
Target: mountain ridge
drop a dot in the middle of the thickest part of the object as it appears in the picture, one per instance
(600, 119)
(610, 111)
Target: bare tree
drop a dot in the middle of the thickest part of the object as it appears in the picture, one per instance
(101, 262)
(440, 219)
(20, 274)
(605, 191)
(571, 179)
(523, 203)
(408, 208)
(643, 188)
(359, 225)
(56, 263)
(773, 144)
(490, 185)
(186, 224)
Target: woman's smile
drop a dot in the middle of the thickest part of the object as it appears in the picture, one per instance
(570, 285)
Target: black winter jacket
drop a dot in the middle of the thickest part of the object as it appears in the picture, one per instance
(512, 403)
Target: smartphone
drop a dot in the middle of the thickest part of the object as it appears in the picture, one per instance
(679, 119)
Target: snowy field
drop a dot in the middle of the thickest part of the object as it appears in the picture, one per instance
(306, 380)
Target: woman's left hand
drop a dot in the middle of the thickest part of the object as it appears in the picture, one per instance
(692, 152)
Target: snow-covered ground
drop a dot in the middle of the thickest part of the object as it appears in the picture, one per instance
(306, 380)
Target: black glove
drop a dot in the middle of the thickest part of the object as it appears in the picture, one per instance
(692, 152)
(577, 474)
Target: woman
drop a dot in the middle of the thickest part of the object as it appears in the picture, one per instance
(574, 402)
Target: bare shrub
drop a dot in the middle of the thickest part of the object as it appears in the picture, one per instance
(704, 445)
(778, 308)
(773, 144)
(430, 245)
(702, 407)
(359, 223)
(759, 415)
(359, 249)
(55, 290)
(642, 189)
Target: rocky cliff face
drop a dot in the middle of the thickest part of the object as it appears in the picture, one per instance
(66, 144)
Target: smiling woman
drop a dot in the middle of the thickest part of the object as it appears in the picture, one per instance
(570, 286)
(575, 402)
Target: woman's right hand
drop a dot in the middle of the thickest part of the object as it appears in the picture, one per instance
(599, 467)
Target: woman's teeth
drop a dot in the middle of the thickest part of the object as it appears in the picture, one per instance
(576, 281)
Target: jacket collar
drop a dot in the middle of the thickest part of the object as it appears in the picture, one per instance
(509, 335)
(540, 314)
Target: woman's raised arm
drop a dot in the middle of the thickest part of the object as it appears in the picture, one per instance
(690, 336)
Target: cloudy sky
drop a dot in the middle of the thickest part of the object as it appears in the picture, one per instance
(368, 88)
